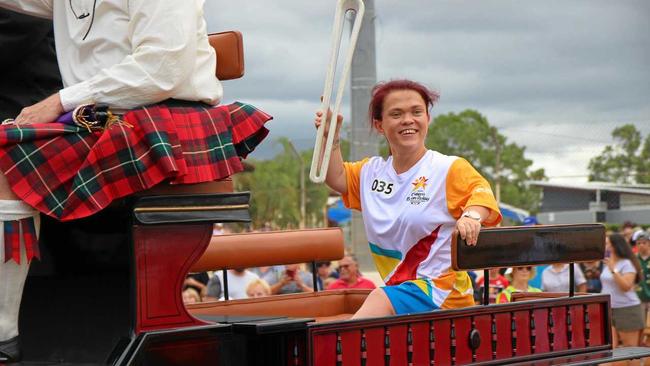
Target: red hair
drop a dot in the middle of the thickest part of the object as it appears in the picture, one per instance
(381, 90)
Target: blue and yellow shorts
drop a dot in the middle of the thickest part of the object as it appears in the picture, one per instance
(451, 290)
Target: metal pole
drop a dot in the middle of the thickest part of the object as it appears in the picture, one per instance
(571, 280)
(363, 143)
(486, 287)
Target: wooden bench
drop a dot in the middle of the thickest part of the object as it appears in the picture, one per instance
(273, 248)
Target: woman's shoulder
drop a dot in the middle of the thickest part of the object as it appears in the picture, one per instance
(625, 263)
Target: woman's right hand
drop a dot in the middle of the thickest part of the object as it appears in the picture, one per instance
(339, 121)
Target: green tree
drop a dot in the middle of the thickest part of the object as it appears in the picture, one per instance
(275, 190)
(625, 161)
(470, 135)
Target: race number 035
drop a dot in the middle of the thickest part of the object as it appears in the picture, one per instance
(382, 187)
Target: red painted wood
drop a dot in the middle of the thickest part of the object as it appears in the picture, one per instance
(597, 325)
(578, 326)
(163, 257)
(522, 323)
(420, 333)
(398, 345)
(351, 347)
(463, 351)
(504, 340)
(375, 346)
(442, 332)
(559, 329)
(483, 324)
(542, 344)
(296, 350)
(324, 349)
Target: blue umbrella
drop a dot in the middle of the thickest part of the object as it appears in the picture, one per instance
(513, 213)
(338, 213)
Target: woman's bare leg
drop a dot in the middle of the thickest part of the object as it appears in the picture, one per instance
(377, 304)
(630, 339)
(626, 339)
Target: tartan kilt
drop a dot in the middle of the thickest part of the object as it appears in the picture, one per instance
(68, 172)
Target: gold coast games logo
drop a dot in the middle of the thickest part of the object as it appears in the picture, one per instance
(419, 193)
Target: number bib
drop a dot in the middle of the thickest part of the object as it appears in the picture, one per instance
(410, 217)
(399, 210)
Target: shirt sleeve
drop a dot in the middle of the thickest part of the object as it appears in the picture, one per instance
(37, 8)
(626, 266)
(352, 198)
(466, 187)
(163, 40)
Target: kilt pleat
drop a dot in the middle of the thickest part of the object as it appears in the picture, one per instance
(68, 172)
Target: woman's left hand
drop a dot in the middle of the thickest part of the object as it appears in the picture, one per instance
(468, 229)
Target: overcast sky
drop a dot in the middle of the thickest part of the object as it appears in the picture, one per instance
(554, 76)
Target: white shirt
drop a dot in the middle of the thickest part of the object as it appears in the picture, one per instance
(237, 284)
(135, 52)
(619, 298)
(408, 216)
(558, 281)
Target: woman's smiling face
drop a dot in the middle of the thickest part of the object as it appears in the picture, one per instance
(405, 121)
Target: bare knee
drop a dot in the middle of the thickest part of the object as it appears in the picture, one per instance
(377, 304)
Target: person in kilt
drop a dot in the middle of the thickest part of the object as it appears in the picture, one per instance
(151, 65)
(30, 75)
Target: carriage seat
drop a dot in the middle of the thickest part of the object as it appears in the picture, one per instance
(273, 248)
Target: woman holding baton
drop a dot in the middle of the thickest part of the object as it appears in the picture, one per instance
(412, 204)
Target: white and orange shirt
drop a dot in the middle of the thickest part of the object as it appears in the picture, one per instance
(410, 217)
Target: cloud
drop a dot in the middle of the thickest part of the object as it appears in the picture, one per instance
(555, 76)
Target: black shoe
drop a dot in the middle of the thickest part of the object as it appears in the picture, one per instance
(10, 350)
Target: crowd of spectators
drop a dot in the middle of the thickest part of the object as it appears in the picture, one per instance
(273, 280)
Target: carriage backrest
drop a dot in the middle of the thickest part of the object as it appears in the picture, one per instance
(230, 54)
(271, 248)
(530, 245)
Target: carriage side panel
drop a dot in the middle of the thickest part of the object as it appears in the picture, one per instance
(541, 331)
(503, 335)
(351, 347)
(462, 329)
(324, 349)
(483, 324)
(442, 333)
(420, 343)
(521, 334)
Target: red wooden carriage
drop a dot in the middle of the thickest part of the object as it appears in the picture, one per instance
(108, 292)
